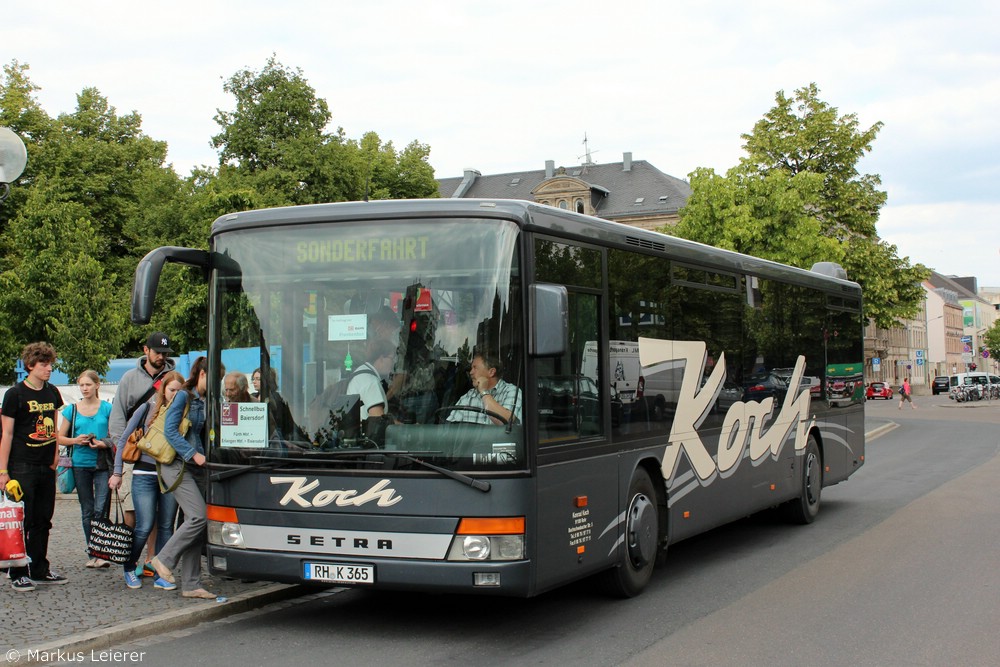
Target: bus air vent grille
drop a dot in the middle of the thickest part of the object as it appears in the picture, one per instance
(644, 243)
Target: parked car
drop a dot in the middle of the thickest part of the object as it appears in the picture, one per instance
(879, 390)
(940, 385)
(763, 385)
(571, 402)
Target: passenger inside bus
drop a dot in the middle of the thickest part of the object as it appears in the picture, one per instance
(236, 388)
(356, 405)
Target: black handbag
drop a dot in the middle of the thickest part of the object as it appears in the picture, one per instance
(111, 540)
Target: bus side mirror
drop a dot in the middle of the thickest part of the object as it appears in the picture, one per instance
(147, 276)
(549, 307)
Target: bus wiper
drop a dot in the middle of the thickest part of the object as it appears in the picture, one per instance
(227, 473)
(477, 484)
(274, 462)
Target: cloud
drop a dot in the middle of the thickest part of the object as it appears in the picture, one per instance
(505, 86)
(953, 238)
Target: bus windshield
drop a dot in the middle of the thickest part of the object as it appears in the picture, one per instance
(363, 335)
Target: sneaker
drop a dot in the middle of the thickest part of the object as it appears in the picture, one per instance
(131, 580)
(164, 585)
(162, 569)
(51, 578)
(22, 585)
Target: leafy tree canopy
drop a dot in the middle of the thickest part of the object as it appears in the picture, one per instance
(97, 195)
(797, 198)
(991, 340)
(276, 144)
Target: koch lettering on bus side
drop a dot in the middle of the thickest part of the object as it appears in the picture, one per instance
(743, 427)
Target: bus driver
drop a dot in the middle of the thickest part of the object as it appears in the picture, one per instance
(488, 391)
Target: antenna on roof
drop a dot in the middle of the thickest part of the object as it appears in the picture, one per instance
(587, 161)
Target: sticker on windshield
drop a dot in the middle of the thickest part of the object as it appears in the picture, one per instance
(244, 425)
(348, 327)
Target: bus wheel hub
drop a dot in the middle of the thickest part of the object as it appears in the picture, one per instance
(642, 531)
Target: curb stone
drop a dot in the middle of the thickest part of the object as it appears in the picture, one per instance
(168, 621)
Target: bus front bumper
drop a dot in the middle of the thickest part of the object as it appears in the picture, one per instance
(479, 578)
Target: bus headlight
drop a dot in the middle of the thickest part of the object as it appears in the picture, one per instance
(476, 547)
(486, 547)
(225, 534)
(488, 539)
(508, 547)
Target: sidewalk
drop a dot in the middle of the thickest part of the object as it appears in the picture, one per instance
(95, 610)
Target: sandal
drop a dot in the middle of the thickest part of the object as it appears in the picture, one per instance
(162, 570)
(199, 593)
(92, 562)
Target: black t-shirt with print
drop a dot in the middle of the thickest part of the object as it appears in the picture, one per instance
(34, 414)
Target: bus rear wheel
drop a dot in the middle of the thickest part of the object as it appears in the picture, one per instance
(804, 509)
(642, 539)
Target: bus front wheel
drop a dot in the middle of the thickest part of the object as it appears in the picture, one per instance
(642, 539)
(804, 509)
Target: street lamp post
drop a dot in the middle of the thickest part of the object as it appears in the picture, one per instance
(927, 362)
(977, 348)
(13, 158)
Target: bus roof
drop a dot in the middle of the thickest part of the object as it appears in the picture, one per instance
(537, 217)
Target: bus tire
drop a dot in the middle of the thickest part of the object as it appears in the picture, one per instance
(803, 510)
(642, 540)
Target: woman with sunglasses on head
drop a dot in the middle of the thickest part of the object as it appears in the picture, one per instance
(84, 427)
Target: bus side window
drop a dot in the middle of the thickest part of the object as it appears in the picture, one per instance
(570, 403)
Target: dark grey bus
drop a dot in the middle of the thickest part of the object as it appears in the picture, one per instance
(662, 388)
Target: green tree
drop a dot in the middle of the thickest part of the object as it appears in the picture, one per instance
(21, 112)
(275, 148)
(798, 198)
(991, 339)
(54, 289)
(76, 225)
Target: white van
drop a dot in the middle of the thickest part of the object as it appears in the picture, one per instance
(626, 375)
(968, 379)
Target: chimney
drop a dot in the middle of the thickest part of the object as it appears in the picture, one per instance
(550, 168)
(468, 179)
(627, 161)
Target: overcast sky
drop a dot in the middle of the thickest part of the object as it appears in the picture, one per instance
(505, 86)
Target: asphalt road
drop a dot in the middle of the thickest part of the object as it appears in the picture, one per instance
(901, 568)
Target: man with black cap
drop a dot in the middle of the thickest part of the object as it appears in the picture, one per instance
(137, 386)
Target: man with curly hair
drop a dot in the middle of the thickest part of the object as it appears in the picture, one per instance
(28, 454)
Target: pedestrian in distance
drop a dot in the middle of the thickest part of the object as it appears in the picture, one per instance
(904, 394)
(28, 454)
(84, 428)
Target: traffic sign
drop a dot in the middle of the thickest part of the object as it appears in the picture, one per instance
(920, 362)
(920, 354)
